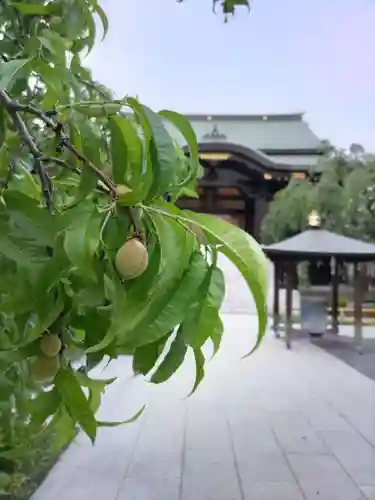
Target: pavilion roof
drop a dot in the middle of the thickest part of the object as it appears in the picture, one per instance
(318, 242)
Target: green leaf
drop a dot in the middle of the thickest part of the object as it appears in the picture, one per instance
(2, 127)
(245, 253)
(205, 310)
(185, 128)
(11, 71)
(97, 110)
(128, 421)
(199, 369)
(24, 182)
(33, 9)
(216, 333)
(56, 45)
(135, 310)
(81, 241)
(49, 307)
(87, 183)
(146, 356)
(172, 361)
(43, 406)
(91, 27)
(76, 402)
(146, 301)
(96, 389)
(172, 307)
(5, 481)
(162, 150)
(64, 430)
(103, 17)
(119, 128)
(126, 153)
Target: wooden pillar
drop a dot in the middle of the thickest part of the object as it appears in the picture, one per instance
(249, 215)
(358, 291)
(335, 297)
(276, 299)
(289, 305)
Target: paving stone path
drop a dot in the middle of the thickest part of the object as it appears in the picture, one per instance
(280, 425)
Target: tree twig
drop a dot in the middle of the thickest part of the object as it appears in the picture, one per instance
(15, 107)
(60, 162)
(28, 139)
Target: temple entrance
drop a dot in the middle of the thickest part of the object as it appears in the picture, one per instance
(227, 203)
(237, 219)
(237, 185)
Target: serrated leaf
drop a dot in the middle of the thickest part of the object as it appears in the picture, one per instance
(97, 110)
(10, 71)
(103, 17)
(199, 369)
(216, 334)
(56, 45)
(162, 150)
(128, 421)
(96, 389)
(75, 401)
(24, 182)
(49, 307)
(146, 356)
(81, 241)
(185, 128)
(87, 183)
(126, 153)
(136, 309)
(245, 253)
(203, 314)
(172, 361)
(172, 306)
(119, 128)
(43, 406)
(76, 139)
(91, 27)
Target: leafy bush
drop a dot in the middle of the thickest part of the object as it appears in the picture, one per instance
(343, 195)
(94, 262)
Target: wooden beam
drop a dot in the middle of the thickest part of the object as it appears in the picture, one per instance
(358, 297)
(276, 300)
(289, 306)
(335, 297)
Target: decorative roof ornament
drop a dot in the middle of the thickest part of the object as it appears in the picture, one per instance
(214, 135)
(314, 220)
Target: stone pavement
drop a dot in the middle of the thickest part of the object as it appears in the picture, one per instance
(279, 425)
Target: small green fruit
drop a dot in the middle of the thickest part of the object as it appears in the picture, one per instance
(125, 195)
(132, 259)
(44, 368)
(50, 344)
(121, 190)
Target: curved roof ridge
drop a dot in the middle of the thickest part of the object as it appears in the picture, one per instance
(297, 115)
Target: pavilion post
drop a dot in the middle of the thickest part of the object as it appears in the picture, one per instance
(289, 305)
(358, 297)
(276, 298)
(335, 297)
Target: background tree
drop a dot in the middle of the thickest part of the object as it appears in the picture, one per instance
(343, 195)
(94, 263)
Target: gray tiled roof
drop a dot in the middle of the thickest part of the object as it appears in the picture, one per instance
(278, 132)
(313, 242)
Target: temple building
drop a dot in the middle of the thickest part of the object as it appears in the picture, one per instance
(246, 160)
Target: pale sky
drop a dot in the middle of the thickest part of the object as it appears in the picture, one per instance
(286, 56)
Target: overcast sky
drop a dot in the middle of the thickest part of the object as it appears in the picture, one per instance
(315, 56)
